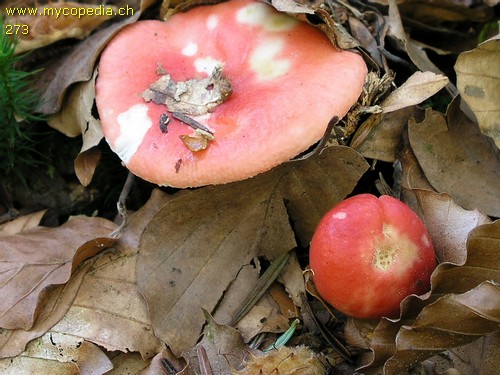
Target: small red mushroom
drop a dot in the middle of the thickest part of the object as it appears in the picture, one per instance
(367, 254)
(220, 93)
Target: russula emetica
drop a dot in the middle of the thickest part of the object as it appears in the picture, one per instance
(262, 85)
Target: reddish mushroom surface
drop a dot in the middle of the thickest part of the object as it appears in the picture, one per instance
(287, 82)
(367, 254)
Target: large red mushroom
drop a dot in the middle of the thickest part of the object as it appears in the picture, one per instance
(221, 92)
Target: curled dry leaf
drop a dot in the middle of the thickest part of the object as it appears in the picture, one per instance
(53, 26)
(36, 259)
(415, 52)
(76, 118)
(462, 306)
(475, 313)
(55, 306)
(456, 158)
(477, 83)
(419, 87)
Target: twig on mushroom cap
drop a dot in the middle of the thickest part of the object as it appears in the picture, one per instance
(191, 122)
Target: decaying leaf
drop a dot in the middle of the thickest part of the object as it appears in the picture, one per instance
(55, 306)
(55, 25)
(480, 357)
(58, 354)
(456, 158)
(475, 313)
(383, 134)
(194, 97)
(38, 258)
(286, 360)
(477, 82)
(76, 118)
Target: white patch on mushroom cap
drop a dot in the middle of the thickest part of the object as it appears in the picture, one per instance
(260, 14)
(206, 64)
(425, 240)
(339, 215)
(265, 64)
(190, 49)
(134, 123)
(212, 21)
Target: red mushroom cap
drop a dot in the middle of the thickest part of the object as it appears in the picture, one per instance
(287, 82)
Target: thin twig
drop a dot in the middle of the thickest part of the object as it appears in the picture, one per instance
(121, 204)
(191, 122)
(263, 284)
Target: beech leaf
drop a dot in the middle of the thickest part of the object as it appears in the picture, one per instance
(456, 158)
(108, 303)
(419, 87)
(198, 243)
(478, 84)
(58, 354)
(448, 224)
(38, 258)
(195, 247)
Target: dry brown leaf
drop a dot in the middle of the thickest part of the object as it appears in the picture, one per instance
(58, 354)
(458, 159)
(75, 118)
(77, 66)
(41, 257)
(44, 30)
(475, 313)
(464, 305)
(264, 316)
(195, 247)
(195, 236)
(313, 186)
(86, 163)
(477, 82)
(480, 357)
(382, 134)
(221, 348)
(448, 224)
(417, 88)
(416, 53)
(21, 224)
(109, 304)
(128, 363)
(13, 342)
